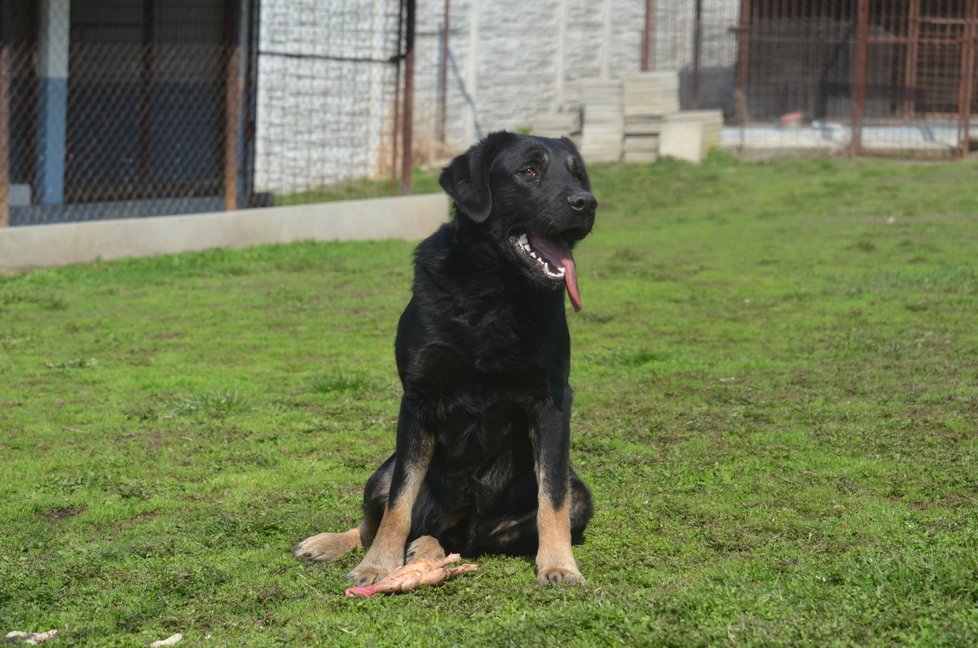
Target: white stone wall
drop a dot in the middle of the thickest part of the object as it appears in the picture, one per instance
(322, 119)
(319, 123)
(513, 59)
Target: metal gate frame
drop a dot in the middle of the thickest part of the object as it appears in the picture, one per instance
(961, 31)
(915, 57)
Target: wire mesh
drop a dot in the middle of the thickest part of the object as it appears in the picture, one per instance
(129, 108)
(790, 75)
(118, 109)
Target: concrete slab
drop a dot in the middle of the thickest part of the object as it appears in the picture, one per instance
(403, 217)
(682, 140)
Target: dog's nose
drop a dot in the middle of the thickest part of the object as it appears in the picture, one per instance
(581, 200)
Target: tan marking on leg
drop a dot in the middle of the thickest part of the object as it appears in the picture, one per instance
(386, 552)
(555, 558)
(425, 547)
(328, 547)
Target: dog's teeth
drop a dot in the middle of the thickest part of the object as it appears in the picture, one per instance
(524, 240)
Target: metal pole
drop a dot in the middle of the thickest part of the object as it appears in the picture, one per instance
(913, 49)
(697, 46)
(859, 77)
(397, 59)
(648, 35)
(743, 43)
(145, 89)
(967, 85)
(406, 125)
(6, 38)
(443, 76)
(232, 102)
(250, 101)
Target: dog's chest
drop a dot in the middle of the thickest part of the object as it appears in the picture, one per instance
(479, 453)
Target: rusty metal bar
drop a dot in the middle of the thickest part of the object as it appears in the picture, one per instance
(408, 108)
(6, 45)
(974, 80)
(743, 40)
(697, 51)
(648, 35)
(859, 77)
(911, 62)
(398, 60)
(443, 75)
(966, 88)
(232, 102)
(145, 90)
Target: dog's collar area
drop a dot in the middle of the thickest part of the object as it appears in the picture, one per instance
(536, 258)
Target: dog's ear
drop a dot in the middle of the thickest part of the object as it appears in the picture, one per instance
(466, 179)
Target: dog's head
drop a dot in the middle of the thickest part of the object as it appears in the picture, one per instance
(532, 196)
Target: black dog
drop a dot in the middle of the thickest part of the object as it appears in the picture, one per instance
(483, 438)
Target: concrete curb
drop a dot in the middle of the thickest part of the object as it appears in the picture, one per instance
(402, 217)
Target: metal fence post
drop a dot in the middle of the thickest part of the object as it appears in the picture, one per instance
(232, 103)
(967, 84)
(697, 52)
(859, 77)
(443, 75)
(408, 108)
(743, 43)
(6, 40)
(648, 35)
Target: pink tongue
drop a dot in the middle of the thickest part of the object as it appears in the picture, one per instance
(559, 255)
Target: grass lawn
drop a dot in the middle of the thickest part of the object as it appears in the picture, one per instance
(776, 373)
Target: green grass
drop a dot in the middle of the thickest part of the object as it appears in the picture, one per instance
(776, 377)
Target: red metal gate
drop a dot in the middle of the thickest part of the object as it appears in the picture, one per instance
(878, 64)
(924, 51)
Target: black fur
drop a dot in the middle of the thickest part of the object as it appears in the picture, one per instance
(483, 355)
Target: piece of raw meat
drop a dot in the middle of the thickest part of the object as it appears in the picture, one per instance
(414, 574)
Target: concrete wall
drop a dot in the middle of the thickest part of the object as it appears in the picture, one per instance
(319, 121)
(325, 94)
(510, 59)
(411, 217)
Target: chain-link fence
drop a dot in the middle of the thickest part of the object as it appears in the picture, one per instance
(853, 76)
(122, 109)
(129, 108)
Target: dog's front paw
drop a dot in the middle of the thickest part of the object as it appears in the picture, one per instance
(559, 575)
(327, 547)
(369, 572)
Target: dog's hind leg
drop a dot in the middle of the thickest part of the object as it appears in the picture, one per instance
(518, 535)
(426, 547)
(329, 547)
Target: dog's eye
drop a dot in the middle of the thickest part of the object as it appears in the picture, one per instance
(528, 172)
